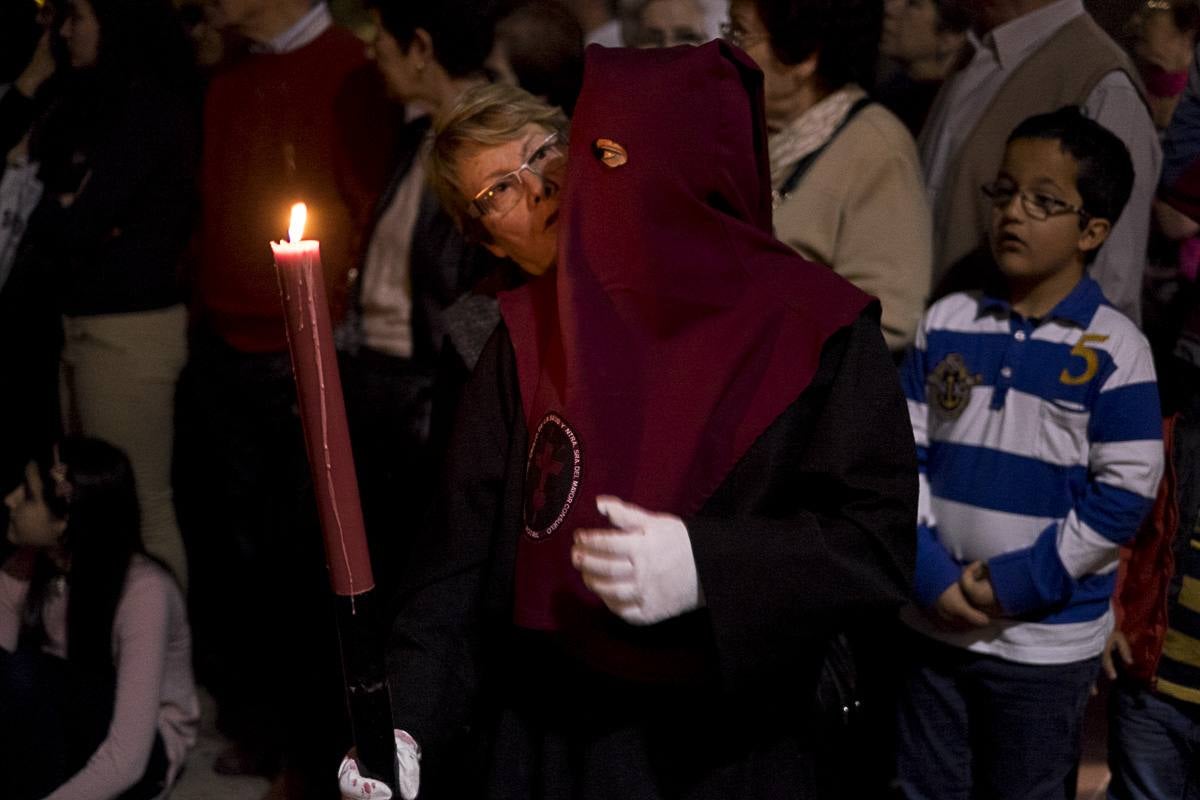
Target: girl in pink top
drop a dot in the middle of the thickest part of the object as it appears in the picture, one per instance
(97, 699)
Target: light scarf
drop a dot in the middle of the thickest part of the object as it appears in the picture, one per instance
(809, 132)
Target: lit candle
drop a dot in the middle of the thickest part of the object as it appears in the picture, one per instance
(322, 409)
(323, 413)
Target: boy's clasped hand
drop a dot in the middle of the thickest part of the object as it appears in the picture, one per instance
(969, 603)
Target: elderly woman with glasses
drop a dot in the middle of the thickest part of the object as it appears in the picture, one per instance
(658, 506)
(845, 173)
(497, 163)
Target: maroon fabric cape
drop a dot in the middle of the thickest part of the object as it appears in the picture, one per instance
(675, 329)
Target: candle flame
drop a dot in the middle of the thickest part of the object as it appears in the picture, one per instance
(299, 216)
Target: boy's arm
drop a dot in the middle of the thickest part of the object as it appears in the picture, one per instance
(936, 568)
(1125, 463)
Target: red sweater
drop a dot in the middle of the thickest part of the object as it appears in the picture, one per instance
(280, 128)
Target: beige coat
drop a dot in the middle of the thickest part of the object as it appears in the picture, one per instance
(861, 209)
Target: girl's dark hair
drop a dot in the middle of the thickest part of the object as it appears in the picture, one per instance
(97, 497)
(462, 30)
(19, 33)
(143, 39)
(845, 34)
(952, 15)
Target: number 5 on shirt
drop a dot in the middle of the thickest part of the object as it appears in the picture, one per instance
(1091, 360)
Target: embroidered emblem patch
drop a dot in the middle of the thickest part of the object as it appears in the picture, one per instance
(949, 386)
(552, 476)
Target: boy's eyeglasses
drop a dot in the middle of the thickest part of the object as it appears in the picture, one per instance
(1037, 205)
(500, 197)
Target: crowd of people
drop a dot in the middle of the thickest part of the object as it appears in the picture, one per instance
(778, 398)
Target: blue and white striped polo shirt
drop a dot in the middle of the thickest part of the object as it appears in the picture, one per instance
(1040, 451)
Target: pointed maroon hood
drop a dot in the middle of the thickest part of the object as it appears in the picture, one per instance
(676, 328)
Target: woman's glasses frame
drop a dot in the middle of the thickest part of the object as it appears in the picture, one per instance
(490, 201)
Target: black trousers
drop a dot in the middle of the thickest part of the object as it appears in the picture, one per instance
(55, 716)
(553, 729)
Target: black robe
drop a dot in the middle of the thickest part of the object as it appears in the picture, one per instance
(813, 528)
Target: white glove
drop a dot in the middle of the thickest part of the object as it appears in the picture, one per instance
(408, 772)
(643, 568)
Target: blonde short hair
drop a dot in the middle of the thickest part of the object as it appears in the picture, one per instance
(484, 116)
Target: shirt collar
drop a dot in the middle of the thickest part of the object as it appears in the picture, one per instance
(1078, 307)
(1013, 41)
(307, 28)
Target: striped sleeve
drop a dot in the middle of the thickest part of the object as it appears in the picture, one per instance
(1125, 463)
(936, 568)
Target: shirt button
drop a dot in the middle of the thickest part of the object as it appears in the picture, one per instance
(1006, 372)
(1019, 336)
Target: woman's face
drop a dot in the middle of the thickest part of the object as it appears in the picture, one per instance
(401, 70)
(1162, 51)
(528, 232)
(80, 32)
(783, 95)
(910, 30)
(31, 523)
(1161, 44)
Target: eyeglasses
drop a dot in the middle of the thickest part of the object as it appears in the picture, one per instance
(502, 196)
(1037, 205)
(738, 36)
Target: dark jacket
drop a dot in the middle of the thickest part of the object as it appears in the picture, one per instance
(128, 156)
(815, 525)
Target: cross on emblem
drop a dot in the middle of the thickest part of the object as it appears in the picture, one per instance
(552, 475)
(547, 466)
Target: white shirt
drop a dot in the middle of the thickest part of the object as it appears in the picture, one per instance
(1114, 103)
(387, 277)
(305, 31)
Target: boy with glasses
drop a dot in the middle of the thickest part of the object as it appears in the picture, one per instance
(1036, 417)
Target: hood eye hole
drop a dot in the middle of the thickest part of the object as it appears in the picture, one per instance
(609, 153)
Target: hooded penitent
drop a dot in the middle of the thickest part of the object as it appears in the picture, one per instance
(675, 329)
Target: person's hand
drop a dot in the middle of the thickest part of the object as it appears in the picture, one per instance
(1175, 225)
(408, 774)
(1116, 642)
(953, 612)
(977, 588)
(642, 568)
(38, 70)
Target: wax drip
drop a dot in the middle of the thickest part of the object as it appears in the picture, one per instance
(306, 278)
